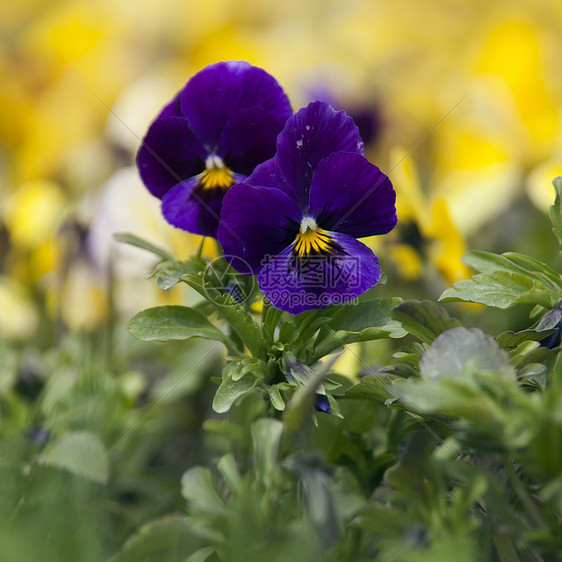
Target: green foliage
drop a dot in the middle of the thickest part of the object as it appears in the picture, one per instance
(164, 323)
(506, 280)
(138, 242)
(555, 211)
(80, 452)
(209, 447)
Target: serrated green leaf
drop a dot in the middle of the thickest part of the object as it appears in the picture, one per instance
(164, 323)
(555, 211)
(168, 539)
(349, 324)
(513, 262)
(537, 270)
(459, 351)
(138, 242)
(426, 320)
(230, 390)
(505, 280)
(501, 290)
(81, 453)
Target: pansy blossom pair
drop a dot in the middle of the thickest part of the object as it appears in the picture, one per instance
(286, 195)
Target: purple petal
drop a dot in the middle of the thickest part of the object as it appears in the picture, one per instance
(249, 138)
(256, 223)
(173, 109)
(189, 207)
(319, 281)
(268, 174)
(351, 195)
(309, 136)
(322, 404)
(216, 93)
(170, 153)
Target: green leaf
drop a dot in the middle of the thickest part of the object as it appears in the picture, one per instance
(230, 390)
(169, 539)
(409, 474)
(198, 488)
(202, 554)
(134, 240)
(371, 320)
(372, 387)
(555, 211)
(266, 439)
(164, 323)
(500, 290)
(169, 273)
(513, 262)
(510, 340)
(230, 473)
(276, 399)
(187, 373)
(426, 320)
(81, 453)
(506, 280)
(461, 350)
(239, 319)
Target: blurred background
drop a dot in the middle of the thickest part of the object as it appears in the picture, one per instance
(460, 102)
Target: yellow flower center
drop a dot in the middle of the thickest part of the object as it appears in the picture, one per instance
(216, 174)
(311, 239)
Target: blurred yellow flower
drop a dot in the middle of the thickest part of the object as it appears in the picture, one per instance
(19, 319)
(539, 182)
(440, 242)
(34, 212)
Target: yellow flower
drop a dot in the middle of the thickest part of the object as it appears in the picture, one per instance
(440, 243)
(539, 182)
(34, 212)
(19, 318)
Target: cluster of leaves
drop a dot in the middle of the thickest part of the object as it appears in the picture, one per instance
(447, 446)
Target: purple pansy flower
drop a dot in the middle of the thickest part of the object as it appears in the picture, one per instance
(210, 136)
(295, 220)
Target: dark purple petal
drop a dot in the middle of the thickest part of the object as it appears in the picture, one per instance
(309, 136)
(321, 403)
(351, 195)
(215, 94)
(256, 223)
(268, 174)
(170, 153)
(189, 207)
(248, 139)
(319, 280)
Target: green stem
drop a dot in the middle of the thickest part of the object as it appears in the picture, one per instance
(523, 495)
(355, 535)
(200, 249)
(505, 549)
